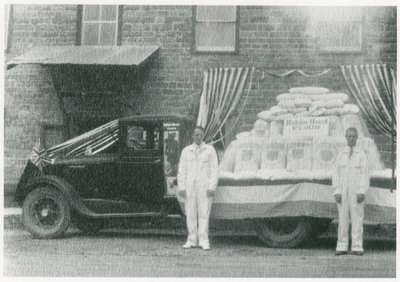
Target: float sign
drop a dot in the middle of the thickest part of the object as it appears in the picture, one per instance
(306, 126)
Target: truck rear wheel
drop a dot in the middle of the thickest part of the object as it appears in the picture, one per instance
(284, 232)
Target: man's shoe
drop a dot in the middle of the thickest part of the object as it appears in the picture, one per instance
(340, 253)
(205, 247)
(357, 253)
(188, 246)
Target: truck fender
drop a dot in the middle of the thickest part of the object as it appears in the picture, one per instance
(64, 187)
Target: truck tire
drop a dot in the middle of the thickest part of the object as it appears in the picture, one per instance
(46, 213)
(321, 225)
(284, 232)
(88, 225)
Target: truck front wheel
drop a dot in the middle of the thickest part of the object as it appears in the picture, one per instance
(46, 213)
(284, 232)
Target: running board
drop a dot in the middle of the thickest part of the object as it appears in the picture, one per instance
(126, 215)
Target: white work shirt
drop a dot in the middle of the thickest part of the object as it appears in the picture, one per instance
(198, 166)
(351, 174)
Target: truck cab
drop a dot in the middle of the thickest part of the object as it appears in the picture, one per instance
(126, 168)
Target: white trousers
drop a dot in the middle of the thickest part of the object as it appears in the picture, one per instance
(197, 209)
(350, 210)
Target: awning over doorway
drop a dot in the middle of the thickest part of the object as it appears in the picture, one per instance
(86, 55)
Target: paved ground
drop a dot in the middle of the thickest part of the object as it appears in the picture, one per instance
(146, 251)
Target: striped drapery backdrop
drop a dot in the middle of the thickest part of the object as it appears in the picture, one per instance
(222, 90)
(374, 88)
(91, 142)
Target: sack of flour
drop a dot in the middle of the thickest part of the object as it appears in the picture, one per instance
(331, 96)
(247, 157)
(297, 110)
(290, 96)
(265, 115)
(302, 102)
(325, 150)
(335, 126)
(299, 154)
(309, 90)
(372, 153)
(273, 154)
(261, 129)
(276, 129)
(337, 103)
(287, 104)
(334, 112)
(276, 110)
(351, 109)
(228, 159)
(353, 120)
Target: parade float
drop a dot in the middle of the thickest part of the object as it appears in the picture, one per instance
(279, 173)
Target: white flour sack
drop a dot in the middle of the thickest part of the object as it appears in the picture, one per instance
(273, 154)
(325, 150)
(247, 157)
(299, 154)
(352, 120)
(335, 126)
(228, 160)
(334, 112)
(287, 104)
(297, 110)
(265, 115)
(351, 109)
(372, 153)
(290, 96)
(276, 129)
(276, 110)
(330, 96)
(261, 129)
(310, 90)
(302, 102)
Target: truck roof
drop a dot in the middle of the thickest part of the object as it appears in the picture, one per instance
(157, 117)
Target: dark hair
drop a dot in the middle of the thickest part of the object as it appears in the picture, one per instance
(352, 129)
(199, 127)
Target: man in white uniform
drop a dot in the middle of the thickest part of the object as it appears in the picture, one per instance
(350, 183)
(197, 181)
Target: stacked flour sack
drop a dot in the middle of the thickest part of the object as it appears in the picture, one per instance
(266, 153)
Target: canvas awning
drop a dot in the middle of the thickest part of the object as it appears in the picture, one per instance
(86, 55)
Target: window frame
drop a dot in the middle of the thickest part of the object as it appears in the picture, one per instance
(126, 151)
(347, 50)
(80, 23)
(194, 23)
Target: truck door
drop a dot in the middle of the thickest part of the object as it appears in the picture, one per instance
(141, 164)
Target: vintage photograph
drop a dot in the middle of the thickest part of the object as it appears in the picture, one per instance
(223, 140)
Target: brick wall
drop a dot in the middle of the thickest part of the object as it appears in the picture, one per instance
(270, 39)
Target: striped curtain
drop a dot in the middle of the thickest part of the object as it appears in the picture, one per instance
(374, 88)
(89, 143)
(222, 90)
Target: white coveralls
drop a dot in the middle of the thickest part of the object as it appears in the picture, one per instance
(350, 177)
(197, 173)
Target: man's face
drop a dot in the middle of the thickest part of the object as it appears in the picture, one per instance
(198, 136)
(351, 137)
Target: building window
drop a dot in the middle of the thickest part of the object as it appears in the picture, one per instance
(215, 28)
(100, 25)
(339, 29)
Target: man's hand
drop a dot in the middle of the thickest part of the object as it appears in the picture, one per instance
(182, 193)
(338, 198)
(210, 193)
(360, 198)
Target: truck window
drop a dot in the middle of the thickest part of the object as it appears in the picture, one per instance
(142, 138)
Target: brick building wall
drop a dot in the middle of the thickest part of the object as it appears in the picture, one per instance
(273, 39)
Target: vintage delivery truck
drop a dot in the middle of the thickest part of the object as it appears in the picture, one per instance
(127, 169)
